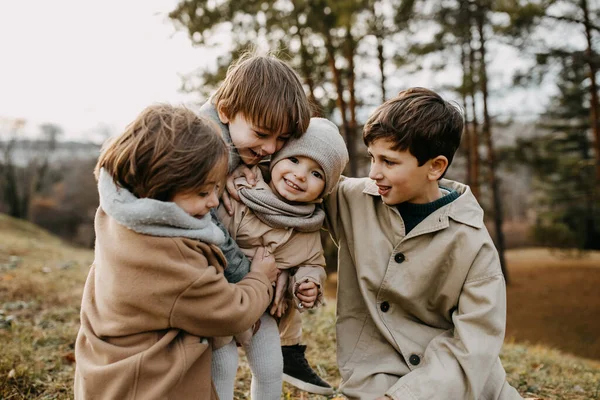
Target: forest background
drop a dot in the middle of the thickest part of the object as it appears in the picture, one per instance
(536, 173)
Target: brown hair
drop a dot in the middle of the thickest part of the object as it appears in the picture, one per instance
(166, 150)
(267, 92)
(420, 121)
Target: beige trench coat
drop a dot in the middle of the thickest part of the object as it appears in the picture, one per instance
(419, 316)
(149, 308)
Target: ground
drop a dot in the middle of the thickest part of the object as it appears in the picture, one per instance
(551, 300)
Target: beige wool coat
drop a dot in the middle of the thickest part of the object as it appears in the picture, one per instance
(149, 309)
(299, 252)
(290, 248)
(419, 316)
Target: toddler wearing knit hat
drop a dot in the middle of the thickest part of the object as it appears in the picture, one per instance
(285, 216)
(322, 143)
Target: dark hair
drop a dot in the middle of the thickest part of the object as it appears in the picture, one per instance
(267, 92)
(420, 121)
(166, 150)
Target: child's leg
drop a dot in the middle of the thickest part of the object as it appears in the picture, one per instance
(224, 368)
(266, 362)
(290, 326)
(296, 369)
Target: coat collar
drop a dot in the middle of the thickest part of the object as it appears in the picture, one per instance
(465, 209)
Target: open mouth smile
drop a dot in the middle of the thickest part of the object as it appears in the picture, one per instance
(292, 185)
(383, 190)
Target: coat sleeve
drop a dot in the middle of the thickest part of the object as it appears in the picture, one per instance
(303, 252)
(211, 306)
(331, 205)
(308, 273)
(457, 363)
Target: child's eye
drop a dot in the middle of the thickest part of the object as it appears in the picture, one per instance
(283, 138)
(261, 135)
(203, 194)
(293, 159)
(388, 162)
(317, 174)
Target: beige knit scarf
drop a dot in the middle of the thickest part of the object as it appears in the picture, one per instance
(270, 209)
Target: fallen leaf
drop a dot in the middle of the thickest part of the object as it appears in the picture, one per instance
(70, 357)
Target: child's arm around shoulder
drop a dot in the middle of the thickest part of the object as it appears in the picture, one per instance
(344, 195)
(460, 362)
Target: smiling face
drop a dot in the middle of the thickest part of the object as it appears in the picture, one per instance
(298, 179)
(399, 177)
(252, 143)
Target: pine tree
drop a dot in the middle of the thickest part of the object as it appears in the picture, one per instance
(566, 195)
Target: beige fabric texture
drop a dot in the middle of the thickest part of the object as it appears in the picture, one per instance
(300, 251)
(149, 309)
(441, 305)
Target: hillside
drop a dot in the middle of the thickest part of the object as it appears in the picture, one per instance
(41, 280)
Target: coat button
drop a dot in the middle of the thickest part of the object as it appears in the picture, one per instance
(399, 258)
(414, 359)
(385, 306)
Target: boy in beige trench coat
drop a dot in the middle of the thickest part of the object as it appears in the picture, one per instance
(421, 302)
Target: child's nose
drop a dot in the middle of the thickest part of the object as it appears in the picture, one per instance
(213, 200)
(374, 172)
(269, 147)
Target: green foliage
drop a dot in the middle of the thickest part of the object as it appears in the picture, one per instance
(567, 199)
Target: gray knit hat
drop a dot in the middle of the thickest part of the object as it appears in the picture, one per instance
(323, 143)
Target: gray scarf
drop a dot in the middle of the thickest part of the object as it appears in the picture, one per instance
(153, 217)
(270, 209)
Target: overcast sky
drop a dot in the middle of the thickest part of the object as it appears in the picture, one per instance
(83, 64)
(80, 63)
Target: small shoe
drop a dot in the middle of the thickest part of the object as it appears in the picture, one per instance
(297, 372)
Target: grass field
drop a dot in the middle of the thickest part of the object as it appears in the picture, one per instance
(41, 279)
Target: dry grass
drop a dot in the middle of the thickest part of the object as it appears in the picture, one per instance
(41, 280)
(553, 299)
(39, 317)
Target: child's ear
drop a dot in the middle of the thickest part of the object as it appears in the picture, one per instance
(437, 167)
(222, 111)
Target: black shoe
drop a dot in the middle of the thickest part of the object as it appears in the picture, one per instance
(298, 373)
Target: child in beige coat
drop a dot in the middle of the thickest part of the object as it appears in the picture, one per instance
(285, 216)
(421, 306)
(156, 293)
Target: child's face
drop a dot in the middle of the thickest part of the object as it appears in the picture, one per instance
(298, 179)
(198, 204)
(399, 177)
(252, 143)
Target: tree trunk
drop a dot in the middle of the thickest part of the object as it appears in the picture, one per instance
(304, 67)
(481, 15)
(593, 88)
(474, 137)
(337, 81)
(381, 58)
(352, 125)
(378, 30)
(466, 139)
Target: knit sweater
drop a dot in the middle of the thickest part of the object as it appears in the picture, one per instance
(414, 214)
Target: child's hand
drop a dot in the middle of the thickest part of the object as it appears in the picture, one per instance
(307, 293)
(265, 262)
(279, 304)
(231, 191)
